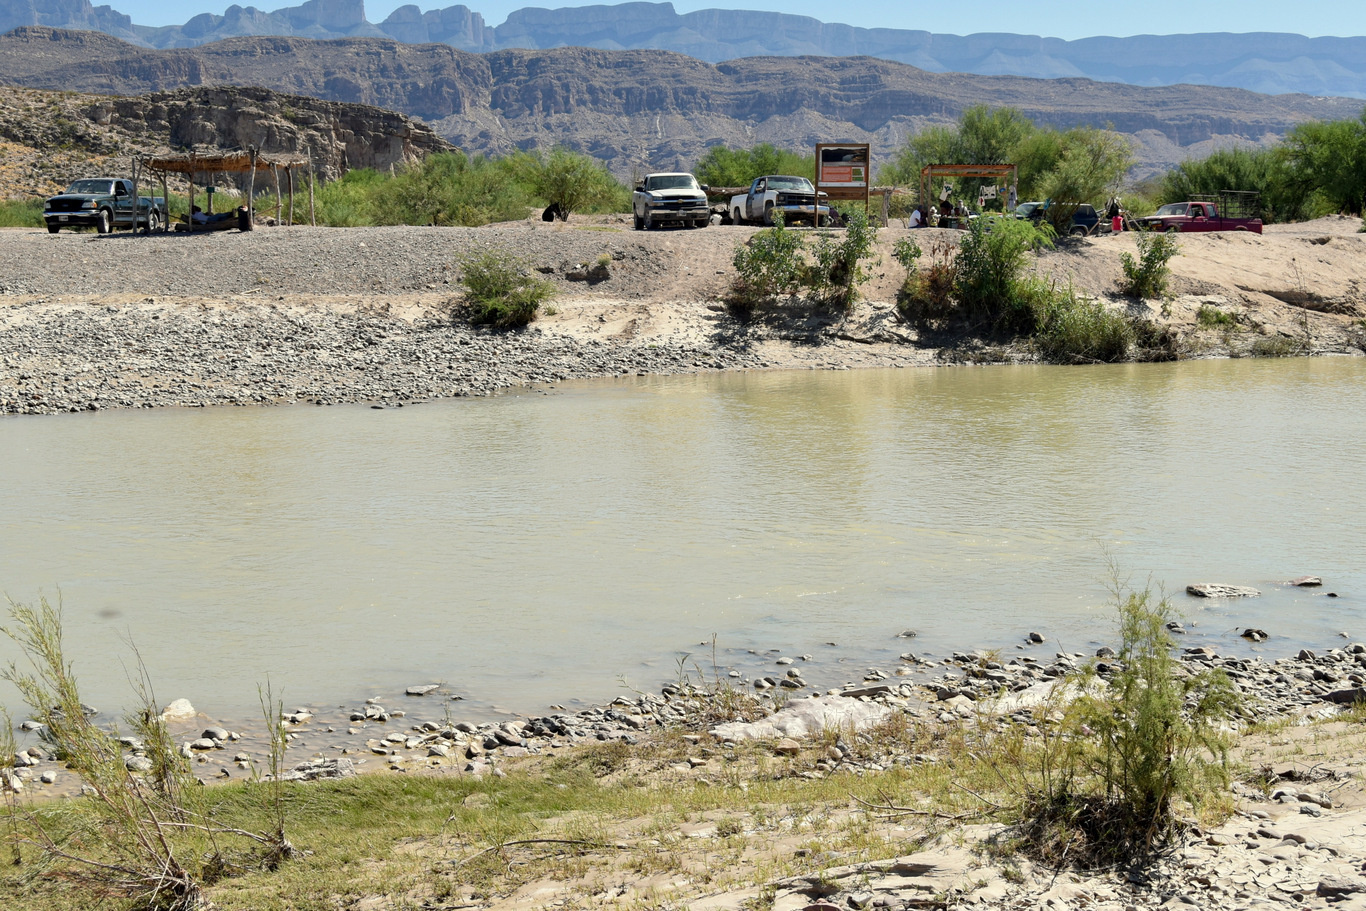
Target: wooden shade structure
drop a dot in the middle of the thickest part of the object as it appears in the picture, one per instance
(240, 161)
(990, 171)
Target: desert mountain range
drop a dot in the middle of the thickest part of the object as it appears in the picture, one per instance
(640, 110)
(1262, 62)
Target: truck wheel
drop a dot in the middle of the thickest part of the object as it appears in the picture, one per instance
(735, 218)
(53, 229)
(1077, 232)
(639, 222)
(153, 222)
(768, 213)
(105, 224)
(648, 222)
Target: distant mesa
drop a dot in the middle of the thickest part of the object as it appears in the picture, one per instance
(1260, 62)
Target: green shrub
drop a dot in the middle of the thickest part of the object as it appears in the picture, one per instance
(501, 290)
(21, 213)
(1147, 276)
(837, 270)
(991, 283)
(1277, 346)
(1209, 317)
(1125, 754)
(576, 182)
(1081, 331)
(768, 265)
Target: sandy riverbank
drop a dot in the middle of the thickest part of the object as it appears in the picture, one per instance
(317, 315)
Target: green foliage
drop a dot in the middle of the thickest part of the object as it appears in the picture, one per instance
(991, 281)
(1328, 159)
(1088, 167)
(142, 836)
(21, 213)
(1146, 277)
(1209, 317)
(1266, 171)
(1081, 331)
(501, 290)
(1126, 753)
(907, 253)
(767, 266)
(1082, 164)
(837, 272)
(576, 182)
(450, 188)
(723, 166)
(926, 297)
(1277, 346)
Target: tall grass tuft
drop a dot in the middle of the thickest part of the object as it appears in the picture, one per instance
(1147, 276)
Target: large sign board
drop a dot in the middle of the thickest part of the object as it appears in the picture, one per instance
(843, 170)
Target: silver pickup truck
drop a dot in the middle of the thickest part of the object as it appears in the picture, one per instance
(669, 197)
(794, 196)
(105, 204)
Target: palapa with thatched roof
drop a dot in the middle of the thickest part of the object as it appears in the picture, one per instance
(237, 161)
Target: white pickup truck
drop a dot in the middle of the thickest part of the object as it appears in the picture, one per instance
(669, 197)
(795, 197)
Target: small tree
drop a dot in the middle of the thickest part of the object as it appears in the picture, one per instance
(838, 269)
(1147, 276)
(991, 280)
(572, 181)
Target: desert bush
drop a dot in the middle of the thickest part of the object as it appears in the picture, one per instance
(1277, 346)
(1147, 276)
(1078, 330)
(837, 271)
(1209, 317)
(926, 296)
(142, 836)
(501, 290)
(21, 213)
(1125, 757)
(768, 265)
(991, 280)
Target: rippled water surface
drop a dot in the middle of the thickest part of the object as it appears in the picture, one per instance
(534, 549)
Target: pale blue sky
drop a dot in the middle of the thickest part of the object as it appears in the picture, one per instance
(1054, 18)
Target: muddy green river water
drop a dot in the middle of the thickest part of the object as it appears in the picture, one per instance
(541, 548)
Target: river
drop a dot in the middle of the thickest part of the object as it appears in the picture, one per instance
(559, 545)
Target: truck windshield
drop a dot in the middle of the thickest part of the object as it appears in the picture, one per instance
(672, 182)
(789, 183)
(92, 187)
(1173, 208)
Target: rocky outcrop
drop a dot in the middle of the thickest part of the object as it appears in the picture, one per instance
(1264, 62)
(650, 110)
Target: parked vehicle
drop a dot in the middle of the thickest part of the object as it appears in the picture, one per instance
(795, 197)
(1231, 212)
(669, 197)
(1084, 220)
(105, 204)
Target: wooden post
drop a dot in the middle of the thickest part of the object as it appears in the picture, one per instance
(275, 173)
(312, 213)
(886, 206)
(251, 189)
(189, 212)
(134, 228)
(289, 176)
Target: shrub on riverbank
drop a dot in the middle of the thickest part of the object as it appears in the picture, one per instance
(1147, 276)
(777, 262)
(21, 213)
(501, 290)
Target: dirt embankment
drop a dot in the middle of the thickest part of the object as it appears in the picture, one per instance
(300, 314)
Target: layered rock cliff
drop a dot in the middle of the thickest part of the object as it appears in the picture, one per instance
(640, 110)
(1261, 62)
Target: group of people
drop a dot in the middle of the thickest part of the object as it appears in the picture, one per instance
(923, 216)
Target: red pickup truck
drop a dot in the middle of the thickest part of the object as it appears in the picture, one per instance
(1198, 215)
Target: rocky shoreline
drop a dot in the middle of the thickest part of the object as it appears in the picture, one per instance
(1298, 839)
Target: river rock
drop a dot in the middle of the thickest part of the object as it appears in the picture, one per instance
(137, 764)
(1212, 590)
(320, 770)
(787, 747)
(178, 710)
(1255, 635)
(806, 717)
(1338, 886)
(1306, 582)
(422, 689)
(215, 733)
